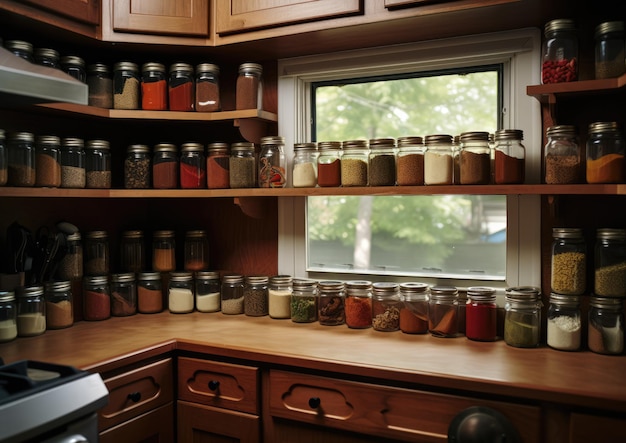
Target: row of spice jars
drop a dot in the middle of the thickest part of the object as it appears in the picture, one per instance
(569, 262)
(91, 256)
(434, 160)
(28, 160)
(560, 58)
(604, 152)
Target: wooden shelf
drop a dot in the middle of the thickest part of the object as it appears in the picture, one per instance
(547, 93)
(535, 189)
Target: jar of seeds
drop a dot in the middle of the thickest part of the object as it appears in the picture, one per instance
(355, 163)
(126, 86)
(610, 263)
(21, 164)
(97, 164)
(137, 167)
(73, 172)
(71, 266)
(232, 294)
(569, 261)
(48, 161)
(562, 156)
(255, 296)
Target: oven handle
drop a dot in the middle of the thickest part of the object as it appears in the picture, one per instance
(76, 438)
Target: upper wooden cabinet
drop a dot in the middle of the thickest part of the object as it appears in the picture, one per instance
(244, 15)
(87, 11)
(161, 17)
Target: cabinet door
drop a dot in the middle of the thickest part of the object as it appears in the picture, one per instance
(87, 11)
(156, 426)
(244, 15)
(162, 17)
(198, 424)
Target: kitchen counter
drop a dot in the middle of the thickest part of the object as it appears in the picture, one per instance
(580, 378)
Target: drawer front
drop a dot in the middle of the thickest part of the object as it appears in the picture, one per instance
(222, 385)
(397, 413)
(153, 426)
(587, 428)
(136, 392)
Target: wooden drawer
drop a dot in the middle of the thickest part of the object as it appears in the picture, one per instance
(222, 385)
(154, 426)
(401, 414)
(136, 392)
(585, 428)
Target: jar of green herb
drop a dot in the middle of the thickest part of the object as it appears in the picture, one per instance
(522, 319)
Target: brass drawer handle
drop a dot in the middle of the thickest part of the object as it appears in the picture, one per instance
(214, 385)
(134, 396)
(314, 402)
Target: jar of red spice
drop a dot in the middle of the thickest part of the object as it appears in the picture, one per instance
(329, 164)
(207, 88)
(510, 157)
(192, 166)
(443, 311)
(153, 87)
(359, 304)
(165, 166)
(217, 166)
(386, 304)
(249, 93)
(560, 52)
(181, 87)
(414, 310)
(96, 298)
(481, 314)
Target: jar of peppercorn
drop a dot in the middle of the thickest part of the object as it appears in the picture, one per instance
(137, 167)
(560, 52)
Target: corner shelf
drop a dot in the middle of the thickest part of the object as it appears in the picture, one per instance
(547, 93)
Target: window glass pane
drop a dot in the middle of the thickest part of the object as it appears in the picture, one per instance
(452, 236)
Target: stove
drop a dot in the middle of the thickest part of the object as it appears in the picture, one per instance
(46, 403)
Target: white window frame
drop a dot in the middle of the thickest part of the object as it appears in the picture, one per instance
(518, 51)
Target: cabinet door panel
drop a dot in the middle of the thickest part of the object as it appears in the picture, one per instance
(87, 11)
(162, 17)
(204, 424)
(153, 427)
(244, 15)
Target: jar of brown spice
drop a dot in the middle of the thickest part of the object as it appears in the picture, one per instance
(126, 86)
(562, 156)
(207, 88)
(475, 159)
(510, 157)
(96, 298)
(249, 93)
(48, 161)
(165, 166)
(123, 295)
(21, 165)
(59, 308)
(410, 161)
(217, 166)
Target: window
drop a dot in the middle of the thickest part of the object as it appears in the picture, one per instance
(513, 58)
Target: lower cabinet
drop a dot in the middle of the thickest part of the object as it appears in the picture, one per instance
(199, 423)
(156, 426)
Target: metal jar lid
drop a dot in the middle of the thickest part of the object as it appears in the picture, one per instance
(331, 285)
(435, 139)
(97, 144)
(134, 234)
(7, 296)
(444, 292)
(412, 140)
(149, 276)
(358, 144)
(232, 278)
(281, 280)
(217, 148)
(27, 137)
(481, 293)
(126, 277)
(192, 147)
(562, 299)
(140, 149)
(98, 68)
(57, 286)
(304, 283)
(48, 140)
(567, 232)
(96, 235)
(73, 142)
(126, 66)
(608, 27)
(611, 233)
(561, 131)
(242, 146)
(382, 143)
(29, 291)
(165, 147)
(184, 68)
(256, 279)
(207, 67)
(413, 287)
(163, 234)
(207, 275)
(197, 233)
(603, 127)
(181, 276)
(153, 67)
(19, 45)
(300, 147)
(612, 303)
(509, 134)
(251, 68)
(385, 288)
(72, 60)
(329, 145)
(561, 24)
(474, 136)
(47, 53)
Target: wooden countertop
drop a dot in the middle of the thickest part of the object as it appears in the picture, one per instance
(542, 374)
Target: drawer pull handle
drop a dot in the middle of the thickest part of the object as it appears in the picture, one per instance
(134, 396)
(314, 402)
(214, 385)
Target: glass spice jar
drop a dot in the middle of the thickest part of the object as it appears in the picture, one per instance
(96, 298)
(181, 92)
(382, 162)
(4, 159)
(163, 251)
(354, 163)
(232, 294)
(71, 265)
(73, 171)
(438, 160)
(329, 164)
(331, 303)
(279, 296)
(272, 172)
(153, 87)
(606, 150)
(192, 166)
(564, 324)
(304, 173)
(249, 88)
(474, 158)
(610, 263)
(165, 166)
(242, 165)
(20, 48)
(137, 167)
(386, 305)
(48, 161)
(97, 164)
(410, 161)
(74, 66)
(560, 52)
(100, 86)
(96, 253)
(59, 305)
(21, 159)
(562, 156)
(510, 157)
(481, 314)
(8, 316)
(217, 166)
(123, 295)
(414, 309)
(304, 301)
(31, 311)
(47, 57)
(358, 304)
(181, 297)
(443, 311)
(207, 88)
(196, 250)
(255, 296)
(208, 286)
(132, 253)
(126, 86)
(606, 326)
(569, 262)
(609, 50)
(522, 317)
(149, 292)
